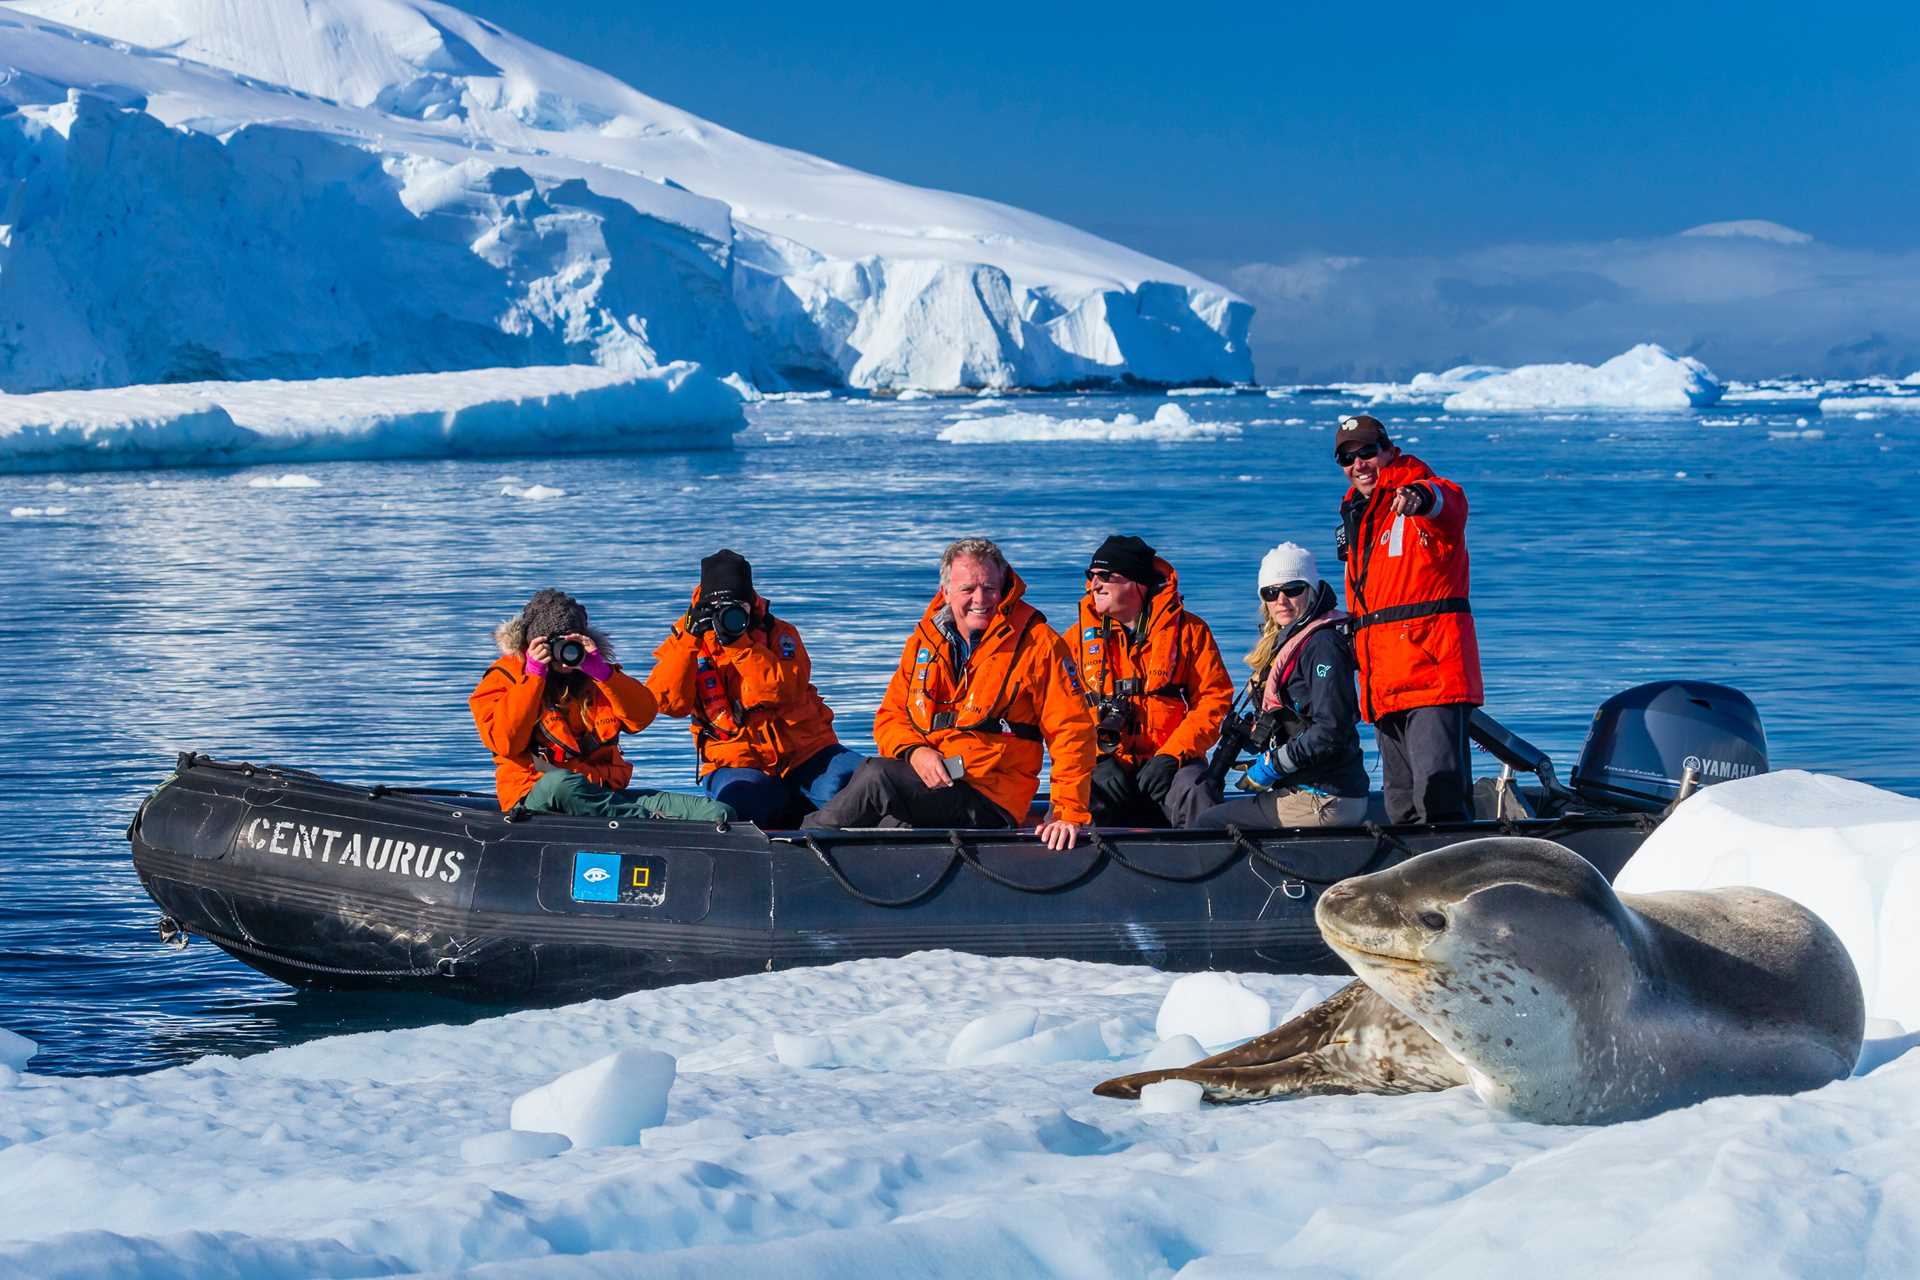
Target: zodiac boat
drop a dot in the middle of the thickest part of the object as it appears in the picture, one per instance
(326, 885)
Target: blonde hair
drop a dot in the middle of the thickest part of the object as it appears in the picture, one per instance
(1267, 647)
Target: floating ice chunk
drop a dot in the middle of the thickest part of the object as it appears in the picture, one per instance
(914, 393)
(35, 513)
(1214, 1009)
(1179, 1051)
(509, 1146)
(290, 480)
(990, 1031)
(604, 1104)
(1171, 1096)
(803, 1051)
(532, 492)
(1646, 377)
(15, 1050)
(558, 409)
(1870, 404)
(1169, 424)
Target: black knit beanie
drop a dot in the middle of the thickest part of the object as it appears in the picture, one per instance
(726, 573)
(1128, 556)
(553, 613)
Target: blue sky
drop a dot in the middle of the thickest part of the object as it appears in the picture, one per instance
(1271, 134)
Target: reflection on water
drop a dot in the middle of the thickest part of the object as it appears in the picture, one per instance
(340, 628)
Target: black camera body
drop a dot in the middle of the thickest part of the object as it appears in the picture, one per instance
(1251, 734)
(563, 652)
(1113, 714)
(724, 614)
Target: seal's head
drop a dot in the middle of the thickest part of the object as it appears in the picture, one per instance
(1500, 948)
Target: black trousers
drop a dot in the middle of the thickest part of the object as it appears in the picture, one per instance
(888, 793)
(1426, 771)
(1118, 801)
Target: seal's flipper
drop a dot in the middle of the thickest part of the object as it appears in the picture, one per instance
(1351, 1042)
(1317, 1026)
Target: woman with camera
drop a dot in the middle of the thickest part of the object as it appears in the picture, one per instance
(743, 679)
(552, 709)
(1311, 774)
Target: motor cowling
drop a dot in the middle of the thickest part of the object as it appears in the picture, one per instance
(1644, 739)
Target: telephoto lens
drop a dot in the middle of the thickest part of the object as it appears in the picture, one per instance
(730, 620)
(567, 653)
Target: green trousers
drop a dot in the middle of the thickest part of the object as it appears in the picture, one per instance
(564, 791)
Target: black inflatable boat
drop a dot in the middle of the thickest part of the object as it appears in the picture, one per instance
(325, 885)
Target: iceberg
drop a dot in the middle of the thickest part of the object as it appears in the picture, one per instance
(229, 189)
(1870, 404)
(565, 409)
(1646, 377)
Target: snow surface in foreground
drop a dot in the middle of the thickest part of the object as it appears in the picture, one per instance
(1645, 377)
(931, 1117)
(562, 409)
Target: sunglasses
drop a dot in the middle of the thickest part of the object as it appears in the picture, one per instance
(1350, 456)
(1291, 590)
(1106, 575)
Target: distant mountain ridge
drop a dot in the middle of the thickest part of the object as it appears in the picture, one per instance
(289, 188)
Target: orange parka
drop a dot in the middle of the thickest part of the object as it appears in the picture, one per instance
(1182, 691)
(517, 723)
(763, 713)
(1407, 584)
(1017, 689)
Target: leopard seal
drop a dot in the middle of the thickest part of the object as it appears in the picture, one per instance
(1511, 965)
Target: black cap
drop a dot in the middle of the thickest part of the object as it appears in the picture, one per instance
(553, 613)
(1129, 557)
(1361, 428)
(726, 573)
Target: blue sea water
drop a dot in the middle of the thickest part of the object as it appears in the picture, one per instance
(340, 626)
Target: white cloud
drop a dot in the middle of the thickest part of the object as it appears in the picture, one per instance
(1750, 298)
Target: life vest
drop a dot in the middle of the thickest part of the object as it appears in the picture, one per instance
(1407, 586)
(1015, 690)
(1172, 678)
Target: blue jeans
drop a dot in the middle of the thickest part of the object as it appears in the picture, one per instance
(779, 803)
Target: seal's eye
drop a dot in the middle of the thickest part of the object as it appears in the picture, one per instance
(1433, 920)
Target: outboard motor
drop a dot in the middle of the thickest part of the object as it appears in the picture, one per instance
(1644, 742)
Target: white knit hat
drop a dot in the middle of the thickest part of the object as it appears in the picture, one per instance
(1288, 562)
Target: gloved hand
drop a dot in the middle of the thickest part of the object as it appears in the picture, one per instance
(1261, 775)
(594, 667)
(1155, 777)
(1340, 540)
(700, 619)
(1414, 500)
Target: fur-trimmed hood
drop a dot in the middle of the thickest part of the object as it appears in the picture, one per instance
(511, 636)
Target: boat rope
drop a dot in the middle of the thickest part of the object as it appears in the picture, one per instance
(840, 879)
(1113, 851)
(1253, 848)
(971, 859)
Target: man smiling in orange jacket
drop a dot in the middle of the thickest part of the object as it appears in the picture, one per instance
(983, 683)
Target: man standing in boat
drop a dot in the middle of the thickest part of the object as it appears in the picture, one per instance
(742, 678)
(983, 683)
(1157, 685)
(1403, 536)
(552, 710)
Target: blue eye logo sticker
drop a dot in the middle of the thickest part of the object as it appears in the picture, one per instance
(596, 877)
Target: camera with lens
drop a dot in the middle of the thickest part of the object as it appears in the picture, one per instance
(564, 652)
(725, 614)
(1113, 715)
(1251, 734)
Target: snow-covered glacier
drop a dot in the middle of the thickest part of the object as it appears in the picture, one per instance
(222, 189)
